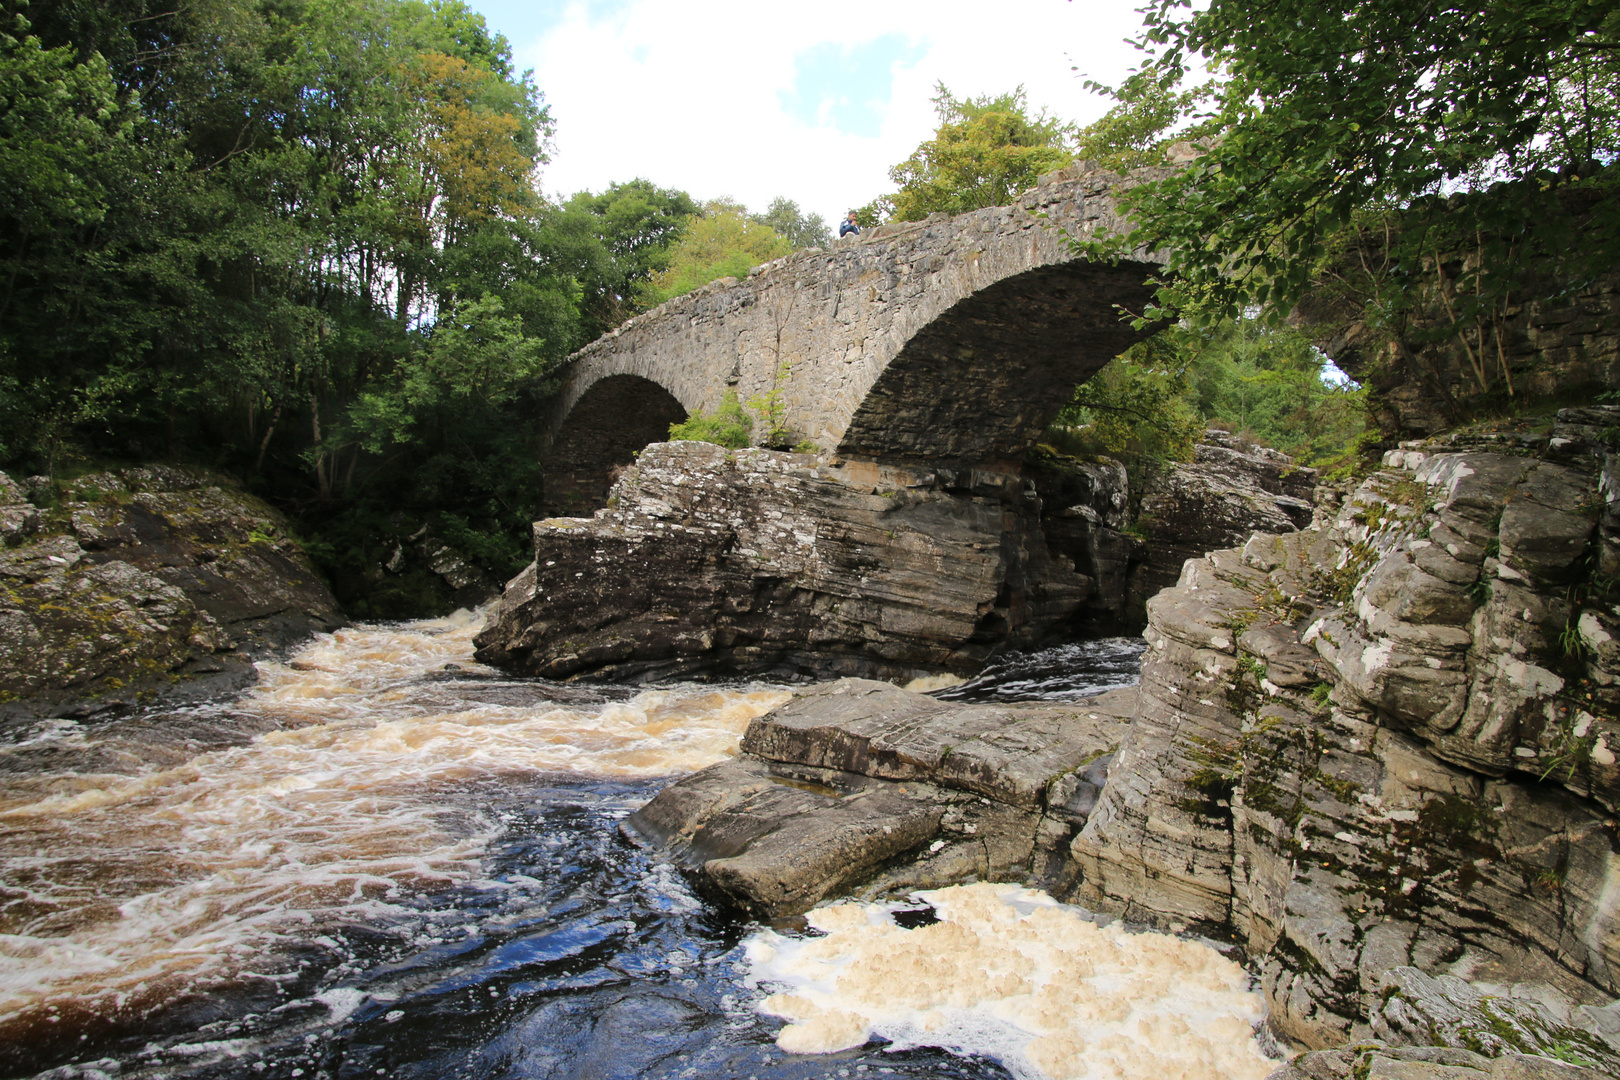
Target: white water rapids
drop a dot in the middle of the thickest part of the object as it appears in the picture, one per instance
(380, 784)
(119, 890)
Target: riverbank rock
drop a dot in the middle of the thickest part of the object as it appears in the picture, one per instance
(142, 581)
(1387, 742)
(711, 560)
(1230, 489)
(859, 788)
(1378, 753)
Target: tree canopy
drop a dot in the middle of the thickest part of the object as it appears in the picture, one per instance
(614, 242)
(802, 230)
(302, 241)
(724, 241)
(986, 152)
(1150, 405)
(1490, 128)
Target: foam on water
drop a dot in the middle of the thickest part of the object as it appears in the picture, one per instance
(122, 889)
(1009, 973)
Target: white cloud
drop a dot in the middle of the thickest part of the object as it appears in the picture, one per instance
(691, 95)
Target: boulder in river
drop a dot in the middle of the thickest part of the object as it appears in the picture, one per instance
(859, 787)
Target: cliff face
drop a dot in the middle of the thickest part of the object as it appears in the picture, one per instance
(1230, 489)
(139, 581)
(1388, 740)
(712, 560)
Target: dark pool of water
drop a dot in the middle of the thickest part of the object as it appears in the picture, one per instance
(1061, 673)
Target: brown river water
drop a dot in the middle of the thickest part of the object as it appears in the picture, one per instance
(387, 860)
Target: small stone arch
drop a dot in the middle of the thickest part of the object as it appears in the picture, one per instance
(604, 430)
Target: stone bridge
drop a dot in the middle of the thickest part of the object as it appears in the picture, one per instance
(948, 342)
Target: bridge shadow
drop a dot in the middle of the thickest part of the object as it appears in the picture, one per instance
(610, 423)
(981, 382)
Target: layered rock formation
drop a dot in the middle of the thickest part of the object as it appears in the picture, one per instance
(1229, 490)
(710, 560)
(859, 787)
(1386, 740)
(138, 580)
(1380, 753)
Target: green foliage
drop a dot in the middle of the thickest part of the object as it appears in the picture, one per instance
(799, 229)
(1137, 408)
(727, 426)
(1150, 405)
(301, 242)
(476, 358)
(1266, 384)
(1139, 130)
(772, 409)
(723, 242)
(1430, 131)
(986, 152)
(614, 242)
(873, 213)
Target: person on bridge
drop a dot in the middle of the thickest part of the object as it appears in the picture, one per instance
(848, 227)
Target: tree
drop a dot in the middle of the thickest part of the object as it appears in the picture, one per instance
(986, 152)
(300, 240)
(1489, 129)
(723, 242)
(1136, 408)
(613, 242)
(1265, 383)
(791, 224)
(1139, 130)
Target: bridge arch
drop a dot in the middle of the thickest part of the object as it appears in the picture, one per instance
(981, 382)
(603, 429)
(953, 340)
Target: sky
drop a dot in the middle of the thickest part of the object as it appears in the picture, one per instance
(753, 100)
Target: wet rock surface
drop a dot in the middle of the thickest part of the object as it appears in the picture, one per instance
(858, 787)
(145, 581)
(746, 561)
(1418, 1009)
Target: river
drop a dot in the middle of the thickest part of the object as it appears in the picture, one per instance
(387, 860)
